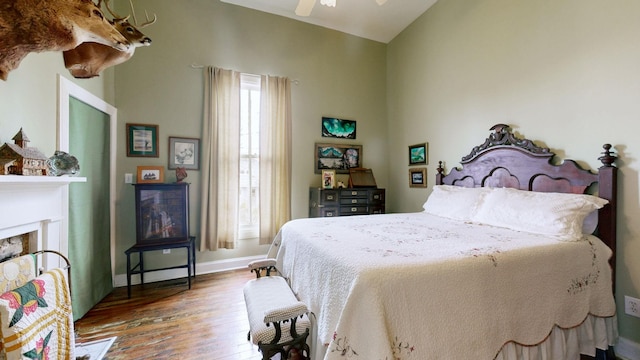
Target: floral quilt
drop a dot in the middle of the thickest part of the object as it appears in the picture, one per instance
(36, 320)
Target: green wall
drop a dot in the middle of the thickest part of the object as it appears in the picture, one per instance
(563, 73)
(338, 75)
(28, 98)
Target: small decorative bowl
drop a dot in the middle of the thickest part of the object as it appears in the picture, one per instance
(62, 163)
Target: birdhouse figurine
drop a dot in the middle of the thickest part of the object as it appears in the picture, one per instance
(20, 159)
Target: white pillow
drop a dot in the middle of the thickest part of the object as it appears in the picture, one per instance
(554, 214)
(454, 202)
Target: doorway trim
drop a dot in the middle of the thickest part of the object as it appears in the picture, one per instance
(66, 90)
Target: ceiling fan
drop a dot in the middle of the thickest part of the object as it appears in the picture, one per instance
(305, 6)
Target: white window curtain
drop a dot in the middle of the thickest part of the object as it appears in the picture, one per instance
(275, 155)
(221, 154)
(220, 159)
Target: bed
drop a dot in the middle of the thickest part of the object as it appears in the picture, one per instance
(509, 260)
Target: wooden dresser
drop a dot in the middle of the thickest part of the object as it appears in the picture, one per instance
(345, 202)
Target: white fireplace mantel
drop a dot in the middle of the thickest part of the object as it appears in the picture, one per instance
(38, 204)
(35, 180)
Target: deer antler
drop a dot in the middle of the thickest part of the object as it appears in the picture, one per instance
(116, 17)
(135, 21)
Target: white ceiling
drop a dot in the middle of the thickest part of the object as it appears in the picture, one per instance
(363, 18)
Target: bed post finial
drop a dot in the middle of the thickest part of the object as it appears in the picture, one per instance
(440, 174)
(608, 157)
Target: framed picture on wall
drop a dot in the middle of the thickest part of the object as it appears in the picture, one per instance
(142, 140)
(418, 177)
(184, 153)
(338, 128)
(338, 157)
(418, 154)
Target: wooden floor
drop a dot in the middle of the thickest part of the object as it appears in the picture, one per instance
(166, 321)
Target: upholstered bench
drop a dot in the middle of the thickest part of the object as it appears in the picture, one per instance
(278, 322)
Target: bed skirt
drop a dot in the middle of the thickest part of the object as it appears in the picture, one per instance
(567, 344)
(561, 344)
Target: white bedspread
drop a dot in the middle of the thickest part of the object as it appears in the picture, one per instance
(417, 286)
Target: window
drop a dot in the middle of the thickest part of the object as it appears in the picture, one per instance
(249, 191)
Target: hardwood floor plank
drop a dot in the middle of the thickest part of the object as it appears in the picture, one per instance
(165, 320)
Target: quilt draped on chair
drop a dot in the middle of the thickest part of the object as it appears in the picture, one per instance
(36, 320)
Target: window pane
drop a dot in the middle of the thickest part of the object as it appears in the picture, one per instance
(255, 122)
(249, 152)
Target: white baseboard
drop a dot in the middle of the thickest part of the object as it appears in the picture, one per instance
(201, 268)
(627, 349)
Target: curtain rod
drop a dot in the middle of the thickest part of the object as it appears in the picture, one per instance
(197, 66)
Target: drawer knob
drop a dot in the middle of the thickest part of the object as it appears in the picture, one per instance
(354, 209)
(354, 201)
(329, 197)
(354, 193)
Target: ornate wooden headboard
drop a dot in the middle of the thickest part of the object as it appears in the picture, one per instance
(504, 160)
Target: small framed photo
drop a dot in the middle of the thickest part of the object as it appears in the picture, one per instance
(418, 177)
(328, 179)
(184, 153)
(418, 154)
(150, 174)
(142, 140)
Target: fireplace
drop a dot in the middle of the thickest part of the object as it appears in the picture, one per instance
(35, 208)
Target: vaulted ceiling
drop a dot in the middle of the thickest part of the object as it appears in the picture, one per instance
(363, 18)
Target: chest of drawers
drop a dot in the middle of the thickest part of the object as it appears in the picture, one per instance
(345, 202)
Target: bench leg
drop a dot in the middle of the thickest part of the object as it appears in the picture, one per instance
(296, 348)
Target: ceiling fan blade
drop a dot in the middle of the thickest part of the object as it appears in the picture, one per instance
(381, 2)
(304, 7)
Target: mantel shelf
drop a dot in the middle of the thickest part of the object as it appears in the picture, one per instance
(40, 180)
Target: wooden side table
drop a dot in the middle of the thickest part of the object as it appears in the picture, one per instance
(189, 244)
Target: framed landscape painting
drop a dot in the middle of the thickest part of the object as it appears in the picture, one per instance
(418, 154)
(338, 157)
(338, 128)
(418, 177)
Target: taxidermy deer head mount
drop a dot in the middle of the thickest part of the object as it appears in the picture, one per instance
(51, 25)
(89, 59)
